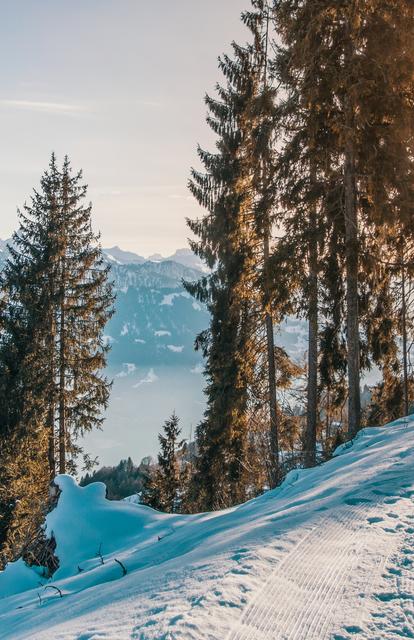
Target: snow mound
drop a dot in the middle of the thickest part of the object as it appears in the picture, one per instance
(87, 526)
(328, 555)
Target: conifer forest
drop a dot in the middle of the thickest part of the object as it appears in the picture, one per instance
(287, 511)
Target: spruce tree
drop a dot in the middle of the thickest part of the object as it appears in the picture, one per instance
(226, 244)
(162, 490)
(56, 274)
(261, 132)
(301, 165)
(56, 301)
(246, 294)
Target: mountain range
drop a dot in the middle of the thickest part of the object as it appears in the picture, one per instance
(156, 320)
(185, 257)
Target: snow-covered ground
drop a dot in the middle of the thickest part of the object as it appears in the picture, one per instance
(328, 555)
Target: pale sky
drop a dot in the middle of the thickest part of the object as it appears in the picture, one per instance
(118, 85)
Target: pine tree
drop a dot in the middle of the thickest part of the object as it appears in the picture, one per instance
(24, 470)
(301, 173)
(56, 301)
(57, 259)
(246, 294)
(227, 245)
(162, 489)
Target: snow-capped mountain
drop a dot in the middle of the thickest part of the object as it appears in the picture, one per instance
(116, 255)
(152, 360)
(3, 251)
(329, 554)
(156, 320)
(185, 257)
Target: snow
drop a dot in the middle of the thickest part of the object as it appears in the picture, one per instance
(175, 348)
(125, 329)
(128, 369)
(112, 258)
(198, 369)
(134, 499)
(148, 379)
(168, 299)
(328, 555)
(17, 577)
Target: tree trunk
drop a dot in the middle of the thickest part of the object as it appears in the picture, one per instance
(62, 381)
(404, 335)
(270, 340)
(51, 441)
(50, 418)
(351, 249)
(312, 391)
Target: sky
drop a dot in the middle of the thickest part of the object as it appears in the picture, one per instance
(118, 85)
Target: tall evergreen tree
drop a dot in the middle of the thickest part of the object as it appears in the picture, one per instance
(56, 257)
(227, 246)
(261, 133)
(334, 58)
(301, 172)
(56, 302)
(239, 191)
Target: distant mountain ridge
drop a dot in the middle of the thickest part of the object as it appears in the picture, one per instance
(156, 320)
(116, 255)
(185, 256)
(166, 274)
(119, 256)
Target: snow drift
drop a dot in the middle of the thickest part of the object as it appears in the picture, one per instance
(327, 555)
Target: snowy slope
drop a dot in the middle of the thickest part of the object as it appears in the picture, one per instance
(328, 555)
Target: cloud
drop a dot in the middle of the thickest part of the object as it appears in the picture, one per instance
(45, 107)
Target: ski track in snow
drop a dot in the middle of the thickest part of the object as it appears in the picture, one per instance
(300, 596)
(337, 564)
(303, 595)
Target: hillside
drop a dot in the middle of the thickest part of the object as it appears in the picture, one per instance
(327, 555)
